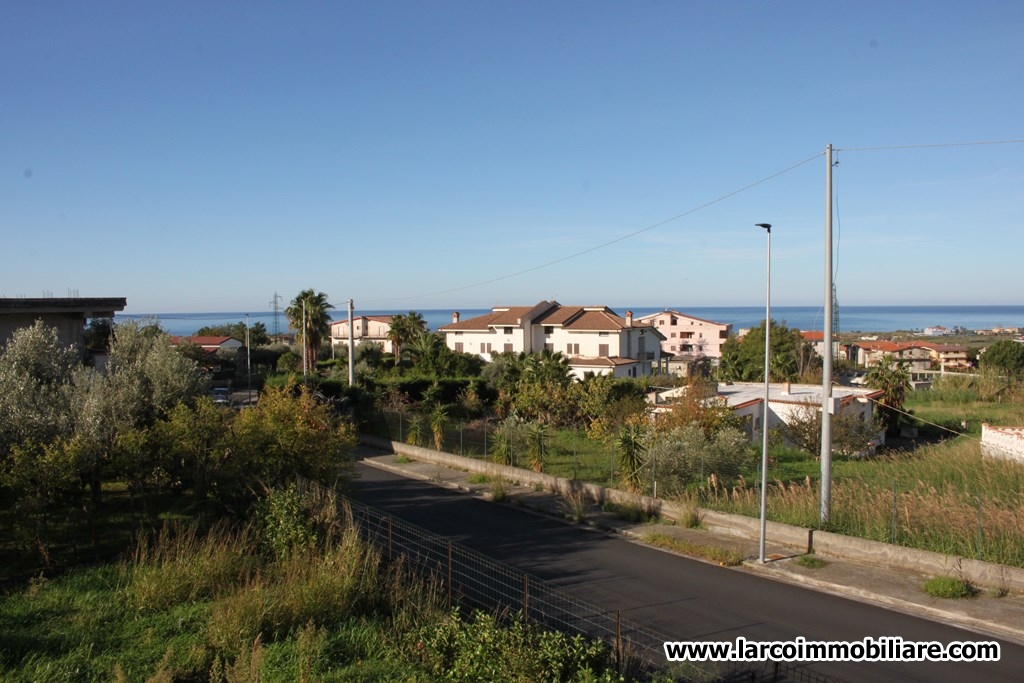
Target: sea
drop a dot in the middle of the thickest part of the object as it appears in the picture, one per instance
(866, 319)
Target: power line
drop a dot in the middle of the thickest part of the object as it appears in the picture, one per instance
(944, 428)
(626, 236)
(937, 145)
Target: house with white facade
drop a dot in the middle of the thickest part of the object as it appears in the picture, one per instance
(372, 328)
(594, 338)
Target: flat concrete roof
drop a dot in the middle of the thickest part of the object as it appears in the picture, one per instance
(739, 393)
(96, 307)
(744, 392)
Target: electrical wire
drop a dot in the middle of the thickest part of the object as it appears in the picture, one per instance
(622, 238)
(936, 425)
(931, 146)
(695, 209)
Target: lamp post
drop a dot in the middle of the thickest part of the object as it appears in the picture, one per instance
(764, 420)
(248, 360)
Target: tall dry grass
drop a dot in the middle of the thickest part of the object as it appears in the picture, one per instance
(255, 597)
(947, 499)
(183, 564)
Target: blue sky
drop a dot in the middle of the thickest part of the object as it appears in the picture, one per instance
(196, 156)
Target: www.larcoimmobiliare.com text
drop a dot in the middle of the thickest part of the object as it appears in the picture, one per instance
(884, 649)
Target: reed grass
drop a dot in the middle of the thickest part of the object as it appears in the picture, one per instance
(946, 498)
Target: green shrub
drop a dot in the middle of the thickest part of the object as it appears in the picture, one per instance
(284, 523)
(811, 562)
(484, 649)
(949, 587)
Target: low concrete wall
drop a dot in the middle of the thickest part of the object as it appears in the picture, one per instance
(801, 539)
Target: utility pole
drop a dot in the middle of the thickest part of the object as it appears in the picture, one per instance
(826, 366)
(351, 343)
(276, 308)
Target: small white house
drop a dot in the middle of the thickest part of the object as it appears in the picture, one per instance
(785, 401)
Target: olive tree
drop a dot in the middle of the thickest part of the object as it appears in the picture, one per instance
(35, 374)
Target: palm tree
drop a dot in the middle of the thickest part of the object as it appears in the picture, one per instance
(308, 315)
(404, 329)
(892, 377)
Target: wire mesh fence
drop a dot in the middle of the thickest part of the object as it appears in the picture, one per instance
(564, 453)
(473, 580)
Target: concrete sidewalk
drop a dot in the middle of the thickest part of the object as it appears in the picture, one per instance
(989, 613)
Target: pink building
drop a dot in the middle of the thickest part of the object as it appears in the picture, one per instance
(689, 338)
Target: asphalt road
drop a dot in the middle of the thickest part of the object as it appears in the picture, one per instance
(684, 599)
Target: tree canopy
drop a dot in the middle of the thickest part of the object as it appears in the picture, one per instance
(743, 358)
(257, 332)
(1005, 356)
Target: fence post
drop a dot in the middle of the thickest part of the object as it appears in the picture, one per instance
(526, 598)
(892, 532)
(449, 573)
(461, 424)
(618, 639)
(390, 555)
(977, 554)
(575, 474)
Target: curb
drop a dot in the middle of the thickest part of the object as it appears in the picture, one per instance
(980, 626)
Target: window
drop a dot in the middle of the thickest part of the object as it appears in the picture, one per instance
(602, 350)
(673, 320)
(485, 347)
(508, 348)
(572, 349)
(549, 329)
(508, 330)
(458, 347)
(673, 335)
(549, 347)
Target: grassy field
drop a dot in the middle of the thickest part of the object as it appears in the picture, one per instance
(232, 605)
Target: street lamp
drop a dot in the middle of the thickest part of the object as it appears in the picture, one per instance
(248, 360)
(764, 420)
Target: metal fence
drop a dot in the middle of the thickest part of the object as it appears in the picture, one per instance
(473, 580)
(570, 455)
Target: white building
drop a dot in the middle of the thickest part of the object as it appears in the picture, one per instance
(593, 338)
(785, 402)
(373, 328)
